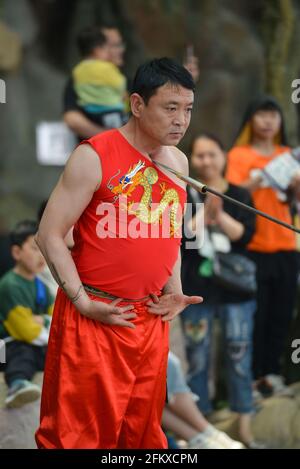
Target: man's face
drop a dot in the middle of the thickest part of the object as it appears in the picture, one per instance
(115, 46)
(207, 159)
(166, 116)
(266, 124)
(29, 257)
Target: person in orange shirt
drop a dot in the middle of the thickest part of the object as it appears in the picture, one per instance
(262, 138)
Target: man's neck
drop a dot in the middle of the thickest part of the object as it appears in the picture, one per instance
(141, 141)
(18, 269)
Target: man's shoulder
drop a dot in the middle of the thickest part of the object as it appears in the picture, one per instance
(97, 141)
(181, 163)
(107, 136)
(178, 152)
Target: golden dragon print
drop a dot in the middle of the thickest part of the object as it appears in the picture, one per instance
(146, 178)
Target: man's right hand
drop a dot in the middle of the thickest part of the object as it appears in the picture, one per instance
(107, 313)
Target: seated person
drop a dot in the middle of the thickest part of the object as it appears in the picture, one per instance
(182, 416)
(25, 316)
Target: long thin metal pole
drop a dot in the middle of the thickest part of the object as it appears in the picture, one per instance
(203, 189)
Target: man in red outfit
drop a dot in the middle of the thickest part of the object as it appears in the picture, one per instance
(105, 375)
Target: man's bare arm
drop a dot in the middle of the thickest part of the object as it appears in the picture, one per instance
(81, 125)
(68, 200)
(82, 176)
(174, 283)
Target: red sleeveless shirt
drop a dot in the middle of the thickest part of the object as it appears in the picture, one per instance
(128, 237)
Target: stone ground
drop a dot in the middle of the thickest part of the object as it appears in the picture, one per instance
(17, 426)
(277, 422)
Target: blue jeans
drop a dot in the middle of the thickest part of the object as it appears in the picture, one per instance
(237, 329)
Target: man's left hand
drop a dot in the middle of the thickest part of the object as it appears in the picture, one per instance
(170, 305)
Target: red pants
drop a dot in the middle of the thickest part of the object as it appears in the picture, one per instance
(104, 386)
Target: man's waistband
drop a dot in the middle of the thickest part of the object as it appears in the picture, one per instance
(103, 294)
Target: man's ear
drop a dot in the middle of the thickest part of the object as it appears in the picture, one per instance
(15, 252)
(137, 104)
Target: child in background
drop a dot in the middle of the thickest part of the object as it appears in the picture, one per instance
(25, 316)
(99, 85)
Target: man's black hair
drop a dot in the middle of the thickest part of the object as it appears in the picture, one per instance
(88, 39)
(22, 231)
(157, 72)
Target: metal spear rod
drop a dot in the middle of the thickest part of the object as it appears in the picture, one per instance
(204, 189)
